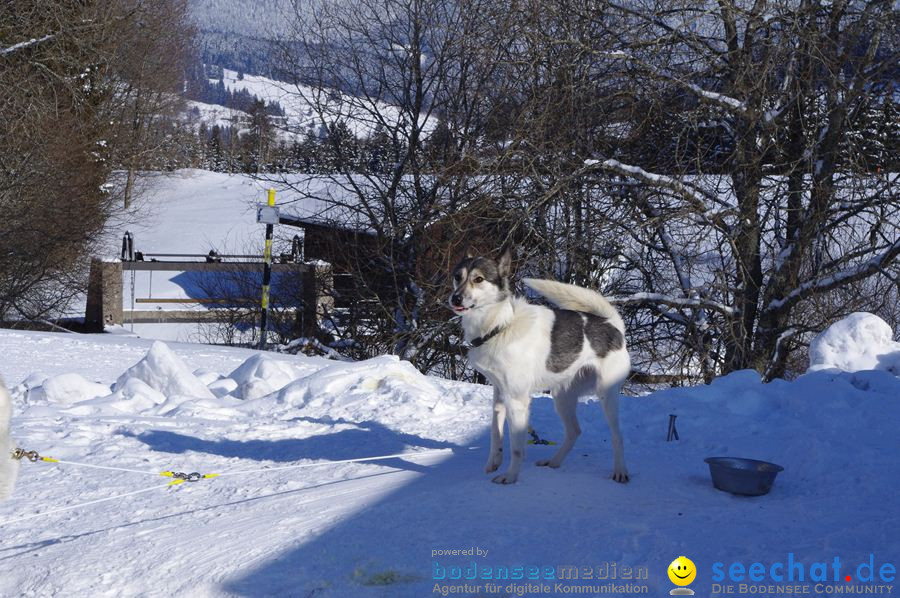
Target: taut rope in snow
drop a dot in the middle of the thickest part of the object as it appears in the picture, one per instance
(33, 456)
(82, 504)
(180, 477)
(320, 463)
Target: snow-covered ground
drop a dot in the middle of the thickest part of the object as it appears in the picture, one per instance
(373, 528)
(193, 211)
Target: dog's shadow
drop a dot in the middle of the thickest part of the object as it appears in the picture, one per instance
(364, 439)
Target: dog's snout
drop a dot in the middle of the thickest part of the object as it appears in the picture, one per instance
(456, 299)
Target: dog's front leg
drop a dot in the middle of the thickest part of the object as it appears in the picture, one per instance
(517, 407)
(9, 467)
(495, 458)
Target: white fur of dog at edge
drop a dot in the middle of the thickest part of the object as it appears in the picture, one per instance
(575, 349)
(9, 467)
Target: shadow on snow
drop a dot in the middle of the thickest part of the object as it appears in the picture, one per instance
(365, 439)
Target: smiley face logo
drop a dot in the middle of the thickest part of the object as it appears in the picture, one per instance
(682, 571)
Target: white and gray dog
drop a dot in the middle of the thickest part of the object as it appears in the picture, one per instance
(575, 349)
(9, 467)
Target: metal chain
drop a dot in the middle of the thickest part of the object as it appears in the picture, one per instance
(187, 477)
(32, 456)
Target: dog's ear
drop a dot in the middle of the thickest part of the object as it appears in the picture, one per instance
(469, 253)
(504, 262)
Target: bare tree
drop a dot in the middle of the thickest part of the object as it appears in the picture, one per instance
(761, 202)
(67, 79)
(722, 168)
(145, 73)
(399, 95)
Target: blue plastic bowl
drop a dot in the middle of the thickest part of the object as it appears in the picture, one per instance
(746, 477)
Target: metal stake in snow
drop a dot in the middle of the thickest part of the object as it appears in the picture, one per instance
(673, 433)
(269, 215)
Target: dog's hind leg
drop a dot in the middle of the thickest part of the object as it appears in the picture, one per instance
(495, 458)
(609, 398)
(517, 407)
(565, 401)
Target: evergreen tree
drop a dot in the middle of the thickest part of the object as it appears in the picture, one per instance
(260, 140)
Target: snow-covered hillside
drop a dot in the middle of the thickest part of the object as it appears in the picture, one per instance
(374, 528)
(215, 115)
(306, 108)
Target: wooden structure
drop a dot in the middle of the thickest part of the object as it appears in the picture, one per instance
(351, 253)
(105, 297)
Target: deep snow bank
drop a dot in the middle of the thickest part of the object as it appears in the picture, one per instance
(384, 390)
(861, 341)
(66, 389)
(164, 371)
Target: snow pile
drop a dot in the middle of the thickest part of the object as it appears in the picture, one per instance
(66, 389)
(385, 390)
(207, 377)
(223, 387)
(134, 396)
(355, 382)
(384, 393)
(861, 341)
(261, 375)
(162, 370)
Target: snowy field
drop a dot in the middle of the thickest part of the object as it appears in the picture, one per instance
(193, 211)
(374, 528)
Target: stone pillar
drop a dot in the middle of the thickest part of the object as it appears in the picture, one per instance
(318, 299)
(104, 299)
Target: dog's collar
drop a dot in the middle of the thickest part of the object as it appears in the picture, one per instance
(477, 342)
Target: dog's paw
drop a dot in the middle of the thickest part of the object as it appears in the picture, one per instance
(505, 478)
(546, 463)
(620, 476)
(495, 460)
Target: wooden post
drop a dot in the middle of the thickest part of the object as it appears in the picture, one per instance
(104, 300)
(318, 299)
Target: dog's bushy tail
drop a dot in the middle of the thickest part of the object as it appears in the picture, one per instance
(568, 296)
(8, 466)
